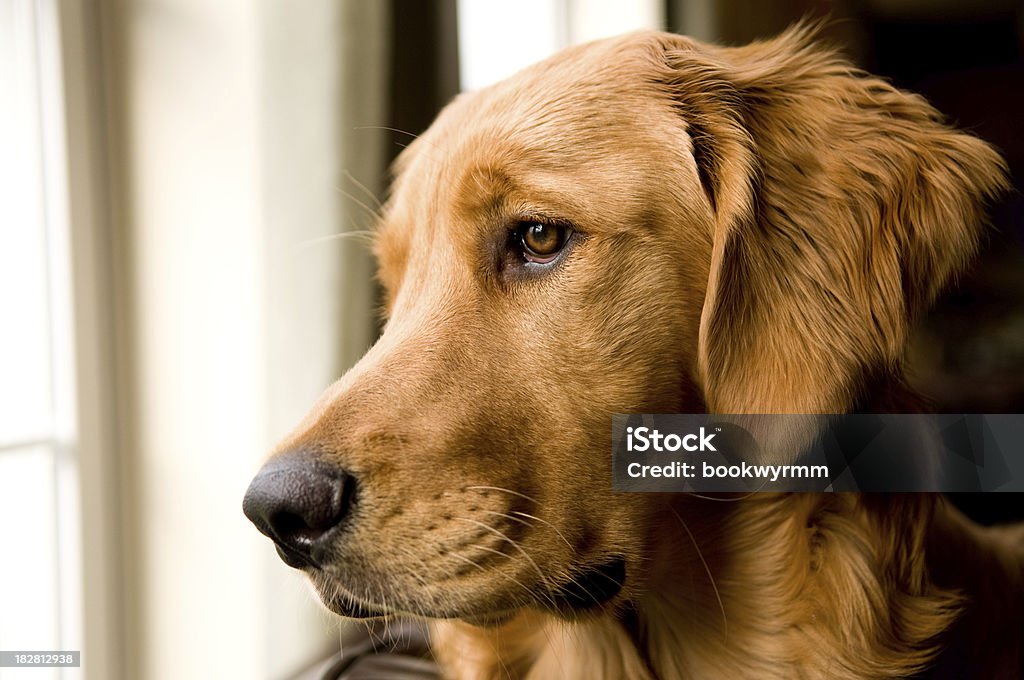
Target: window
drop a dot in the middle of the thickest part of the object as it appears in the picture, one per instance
(496, 39)
(39, 572)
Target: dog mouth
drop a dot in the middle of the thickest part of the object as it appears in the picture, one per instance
(590, 590)
(593, 588)
(348, 606)
(351, 609)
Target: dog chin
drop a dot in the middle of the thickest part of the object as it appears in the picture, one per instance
(591, 591)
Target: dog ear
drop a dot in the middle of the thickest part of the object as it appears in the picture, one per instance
(842, 205)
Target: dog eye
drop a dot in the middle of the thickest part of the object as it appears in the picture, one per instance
(541, 242)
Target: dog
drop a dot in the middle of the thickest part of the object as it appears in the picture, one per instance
(651, 224)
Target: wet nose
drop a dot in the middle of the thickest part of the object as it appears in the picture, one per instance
(297, 499)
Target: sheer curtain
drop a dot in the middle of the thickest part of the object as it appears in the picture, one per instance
(241, 138)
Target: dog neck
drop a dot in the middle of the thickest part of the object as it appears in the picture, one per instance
(771, 586)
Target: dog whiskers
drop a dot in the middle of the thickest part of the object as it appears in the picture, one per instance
(350, 177)
(520, 520)
(468, 561)
(530, 592)
(514, 544)
(544, 521)
(423, 568)
(707, 569)
(524, 518)
(342, 236)
(374, 214)
(432, 152)
(419, 562)
(385, 127)
(503, 490)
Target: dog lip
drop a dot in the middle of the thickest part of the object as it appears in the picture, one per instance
(592, 588)
(351, 608)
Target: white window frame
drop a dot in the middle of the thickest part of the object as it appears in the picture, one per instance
(97, 336)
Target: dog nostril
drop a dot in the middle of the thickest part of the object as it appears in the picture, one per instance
(294, 529)
(296, 500)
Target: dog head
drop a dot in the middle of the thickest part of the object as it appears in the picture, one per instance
(643, 224)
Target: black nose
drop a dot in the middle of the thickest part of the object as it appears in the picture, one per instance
(296, 500)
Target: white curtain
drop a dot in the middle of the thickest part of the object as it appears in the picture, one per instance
(242, 143)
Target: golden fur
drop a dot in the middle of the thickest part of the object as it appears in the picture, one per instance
(756, 230)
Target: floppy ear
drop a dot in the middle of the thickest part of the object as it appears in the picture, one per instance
(842, 205)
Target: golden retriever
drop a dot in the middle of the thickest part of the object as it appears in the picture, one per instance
(651, 224)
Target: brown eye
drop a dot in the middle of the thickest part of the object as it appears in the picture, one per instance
(542, 242)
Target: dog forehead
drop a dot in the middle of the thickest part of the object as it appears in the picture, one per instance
(586, 93)
(543, 129)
